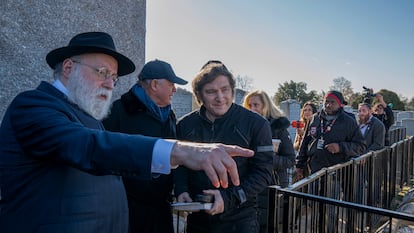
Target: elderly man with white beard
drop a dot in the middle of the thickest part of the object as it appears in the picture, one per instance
(372, 129)
(60, 171)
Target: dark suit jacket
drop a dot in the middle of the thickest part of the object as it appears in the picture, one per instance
(375, 135)
(60, 172)
(148, 200)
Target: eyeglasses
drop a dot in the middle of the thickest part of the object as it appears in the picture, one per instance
(103, 73)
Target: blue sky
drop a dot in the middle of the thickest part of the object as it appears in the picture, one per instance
(368, 42)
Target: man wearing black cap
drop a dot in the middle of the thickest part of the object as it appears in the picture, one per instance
(332, 137)
(146, 109)
(60, 171)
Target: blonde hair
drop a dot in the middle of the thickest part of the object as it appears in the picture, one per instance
(269, 108)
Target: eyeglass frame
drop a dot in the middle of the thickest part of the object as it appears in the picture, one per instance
(103, 72)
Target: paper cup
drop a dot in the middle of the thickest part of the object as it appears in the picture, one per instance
(276, 143)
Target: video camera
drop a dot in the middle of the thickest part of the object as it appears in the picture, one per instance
(368, 94)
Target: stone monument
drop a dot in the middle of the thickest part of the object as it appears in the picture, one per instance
(239, 95)
(182, 102)
(405, 115)
(291, 108)
(409, 124)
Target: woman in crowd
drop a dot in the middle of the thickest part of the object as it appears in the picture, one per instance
(259, 102)
(306, 114)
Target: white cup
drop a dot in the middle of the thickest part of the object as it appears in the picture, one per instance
(276, 143)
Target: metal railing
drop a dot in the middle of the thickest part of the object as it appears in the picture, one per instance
(329, 215)
(356, 196)
(397, 134)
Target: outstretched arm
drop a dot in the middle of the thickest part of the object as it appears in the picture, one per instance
(215, 159)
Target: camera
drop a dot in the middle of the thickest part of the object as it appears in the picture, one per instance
(368, 94)
(298, 124)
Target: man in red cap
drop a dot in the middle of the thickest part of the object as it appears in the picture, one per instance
(332, 137)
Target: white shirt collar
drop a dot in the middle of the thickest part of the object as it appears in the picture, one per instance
(59, 85)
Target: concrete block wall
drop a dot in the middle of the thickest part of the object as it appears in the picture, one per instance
(30, 29)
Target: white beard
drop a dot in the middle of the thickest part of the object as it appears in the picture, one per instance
(86, 96)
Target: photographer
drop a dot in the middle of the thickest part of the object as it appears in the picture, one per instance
(368, 95)
(384, 113)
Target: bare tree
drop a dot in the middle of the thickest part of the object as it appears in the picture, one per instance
(244, 82)
(344, 86)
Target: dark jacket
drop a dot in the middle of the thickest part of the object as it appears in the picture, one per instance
(148, 200)
(285, 157)
(374, 134)
(241, 127)
(387, 119)
(344, 131)
(60, 171)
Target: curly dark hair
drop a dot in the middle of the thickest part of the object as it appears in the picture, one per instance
(207, 75)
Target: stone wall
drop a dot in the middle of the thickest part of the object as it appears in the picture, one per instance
(30, 29)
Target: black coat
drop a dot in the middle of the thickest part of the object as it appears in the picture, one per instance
(375, 134)
(241, 127)
(344, 131)
(148, 201)
(387, 118)
(60, 171)
(282, 160)
(285, 157)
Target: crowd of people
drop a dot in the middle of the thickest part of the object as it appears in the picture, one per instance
(70, 159)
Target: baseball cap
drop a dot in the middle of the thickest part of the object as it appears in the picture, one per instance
(158, 69)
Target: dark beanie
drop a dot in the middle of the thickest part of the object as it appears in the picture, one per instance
(337, 96)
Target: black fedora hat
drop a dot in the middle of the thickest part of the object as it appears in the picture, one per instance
(91, 42)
